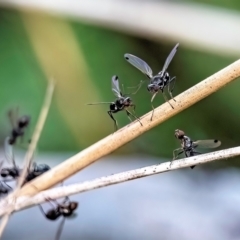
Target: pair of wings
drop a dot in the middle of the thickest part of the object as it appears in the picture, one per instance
(115, 87)
(143, 66)
(211, 143)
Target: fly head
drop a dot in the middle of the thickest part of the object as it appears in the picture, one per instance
(179, 134)
(153, 88)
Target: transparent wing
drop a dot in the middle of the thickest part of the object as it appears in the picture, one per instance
(170, 57)
(211, 143)
(139, 64)
(115, 86)
(8, 150)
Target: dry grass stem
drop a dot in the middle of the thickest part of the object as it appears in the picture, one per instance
(133, 130)
(59, 192)
(30, 153)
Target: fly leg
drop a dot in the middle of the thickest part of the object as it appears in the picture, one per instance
(170, 90)
(138, 87)
(60, 228)
(130, 114)
(153, 96)
(166, 99)
(5, 182)
(192, 154)
(152, 110)
(176, 156)
(115, 122)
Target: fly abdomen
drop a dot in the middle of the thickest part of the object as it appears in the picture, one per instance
(113, 108)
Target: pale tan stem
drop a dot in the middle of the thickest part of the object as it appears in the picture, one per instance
(133, 130)
(37, 132)
(29, 155)
(55, 193)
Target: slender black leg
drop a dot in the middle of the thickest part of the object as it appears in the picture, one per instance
(170, 90)
(152, 111)
(166, 99)
(41, 209)
(193, 155)
(115, 122)
(138, 87)
(129, 113)
(60, 228)
(176, 156)
(128, 116)
(7, 184)
(134, 107)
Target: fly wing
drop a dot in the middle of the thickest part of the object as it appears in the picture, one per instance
(170, 57)
(139, 64)
(115, 87)
(8, 150)
(211, 143)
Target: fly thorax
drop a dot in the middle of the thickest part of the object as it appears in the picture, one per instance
(165, 77)
(187, 142)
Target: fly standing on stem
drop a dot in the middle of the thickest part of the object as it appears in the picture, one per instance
(188, 146)
(65, 209)
(122, 102)
(157, 82)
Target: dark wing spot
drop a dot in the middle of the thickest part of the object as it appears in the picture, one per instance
(215, 140)
(127, 58)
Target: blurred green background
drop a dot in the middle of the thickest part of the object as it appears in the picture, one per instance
(82, 58)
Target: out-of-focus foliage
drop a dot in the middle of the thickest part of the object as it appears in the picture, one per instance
(23, 83)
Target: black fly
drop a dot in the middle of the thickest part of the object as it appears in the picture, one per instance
(159, 81)
(64, 209)
(13, 171)
(4, 187)
(18, 126)
(121, 103)
(188, 146)
(37, 170)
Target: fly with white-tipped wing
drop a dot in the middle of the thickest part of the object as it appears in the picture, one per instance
(121, 103)
(188, 146)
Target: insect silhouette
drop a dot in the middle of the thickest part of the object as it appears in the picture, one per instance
(121, 103)
(157, 82)
(64, 209)
(37, 170)
(18, 126)
(13, 171)
(188, 146)
(4, 187)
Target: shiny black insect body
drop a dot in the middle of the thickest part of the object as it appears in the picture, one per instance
(188, 146)
(18, 126)
(64, 209)
(121, 103)
(13, 172)
(157, 82)
(4, 188)
(37, 170)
